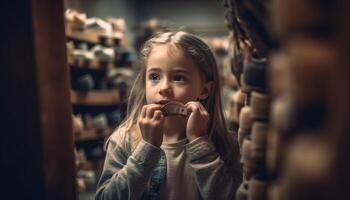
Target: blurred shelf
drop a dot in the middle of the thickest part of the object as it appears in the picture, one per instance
(90, 64)
(84, 36)
(98, 66)
(96, 97)
(92, 134)
(94, 37)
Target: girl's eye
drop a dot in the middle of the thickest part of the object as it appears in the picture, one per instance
(154, 77)
(179, 78)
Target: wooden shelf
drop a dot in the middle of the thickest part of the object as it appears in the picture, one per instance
(92, 37)
(90, 64)
(86, 36)
(92, 134)
(96, 65)
(102, 97)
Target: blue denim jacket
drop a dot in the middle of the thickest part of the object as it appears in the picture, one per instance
(157, 180)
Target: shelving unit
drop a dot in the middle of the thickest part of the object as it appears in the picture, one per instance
(100, 98)
(100, 66)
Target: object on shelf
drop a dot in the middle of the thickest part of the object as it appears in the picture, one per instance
(92, 64)
(99, 121)
(75, 18)
(98, 56)
(98, 25)
(81, 186)
(114, 117)
(218, 45)
(80, 158)
(237, 101)
(78, 124)
(245, 124)
(84, 83)
(103, 97)
(88, 176)
(123, 57)
(118, 24)
(255, 75)
(103, 54)
(95, 30)
(97, 152)
(260, 104)
(121, 79)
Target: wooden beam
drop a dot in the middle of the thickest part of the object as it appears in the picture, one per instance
(37, 157)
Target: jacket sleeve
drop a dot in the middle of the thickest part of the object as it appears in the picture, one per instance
(213, 177)
(126, 177)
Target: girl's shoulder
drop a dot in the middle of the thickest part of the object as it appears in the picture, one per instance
(123, 137)
(119, 138)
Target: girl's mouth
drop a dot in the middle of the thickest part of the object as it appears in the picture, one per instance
(162, 102)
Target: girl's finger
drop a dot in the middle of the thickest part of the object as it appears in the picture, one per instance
(201, 107)
(149, 113)
(157, 115)
(143, 111)
(203, 110)
(205, 114)
(198, 106)
(189, 106)
(193, 106)
(151, 109)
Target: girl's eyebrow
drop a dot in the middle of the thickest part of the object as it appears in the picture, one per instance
(181, 71)
(176, 70)
(153, 69)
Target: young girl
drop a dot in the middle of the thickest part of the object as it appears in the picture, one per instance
(151, 156)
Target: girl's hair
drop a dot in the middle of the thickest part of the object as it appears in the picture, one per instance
(203, 57)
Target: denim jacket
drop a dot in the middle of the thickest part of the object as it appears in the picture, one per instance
(140, 174)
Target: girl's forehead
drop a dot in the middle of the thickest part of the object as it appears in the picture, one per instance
(169, 57)
(168, 53)
(170, 49)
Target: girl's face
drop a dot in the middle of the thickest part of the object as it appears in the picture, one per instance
(171, 76)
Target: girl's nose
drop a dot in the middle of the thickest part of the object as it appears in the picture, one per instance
(165, 88)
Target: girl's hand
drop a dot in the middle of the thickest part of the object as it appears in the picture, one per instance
(198, 120)
(151, 122)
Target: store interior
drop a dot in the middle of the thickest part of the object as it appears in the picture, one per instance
(67, 69)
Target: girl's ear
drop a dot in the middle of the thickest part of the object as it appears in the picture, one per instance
(206, 90)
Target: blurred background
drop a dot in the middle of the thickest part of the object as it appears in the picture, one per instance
(67, 68)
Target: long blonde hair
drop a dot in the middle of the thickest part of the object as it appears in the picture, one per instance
(203, 57)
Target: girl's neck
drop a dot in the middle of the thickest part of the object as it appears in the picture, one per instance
(173, 137)
(174, 129)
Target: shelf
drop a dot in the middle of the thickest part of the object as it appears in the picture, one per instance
(96, 65)
(93, 37)
(86, 36)
(101, 97)
(90, 64)
(92, 134)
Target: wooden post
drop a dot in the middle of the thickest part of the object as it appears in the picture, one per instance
(341, 98)
(37, 160)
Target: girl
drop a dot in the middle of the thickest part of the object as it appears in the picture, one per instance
(151, 156)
